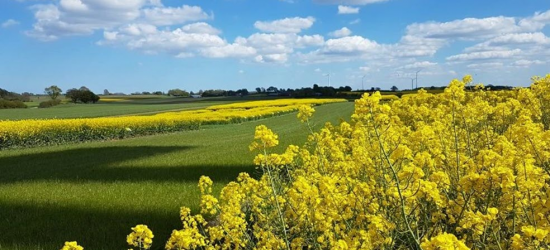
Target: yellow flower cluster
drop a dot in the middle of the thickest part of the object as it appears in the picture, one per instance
(56, 131)
(141, 237)
(457, 170)
(305, 112)
(71, 245)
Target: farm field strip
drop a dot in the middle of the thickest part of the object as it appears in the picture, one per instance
(94, 192)
(56, 131)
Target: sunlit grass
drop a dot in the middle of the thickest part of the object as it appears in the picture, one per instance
(94, 192)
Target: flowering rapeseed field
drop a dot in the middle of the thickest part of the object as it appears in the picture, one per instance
(458, 170)
(58, 131)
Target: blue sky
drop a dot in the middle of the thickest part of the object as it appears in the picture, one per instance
(150, 45)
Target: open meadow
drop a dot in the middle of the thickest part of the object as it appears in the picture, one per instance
(94, 192)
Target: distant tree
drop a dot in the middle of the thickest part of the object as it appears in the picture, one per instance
(73, 94)
(83, 95)
(53, 91)
(242, 92)
(178, 92)
(214, 92)
(26, 97)
(106, 92)
(145, 93)
(258, 90)
(394, 88)
(315, 87)
(87, 96)
(157, 93)
(272, 89)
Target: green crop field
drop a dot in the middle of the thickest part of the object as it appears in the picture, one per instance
(124, 105)
(94, 192)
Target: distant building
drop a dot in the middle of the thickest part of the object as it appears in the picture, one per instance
(196, 96)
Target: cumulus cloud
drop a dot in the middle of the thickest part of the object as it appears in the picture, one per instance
(84, 17)
(343, 32)
(183, 31)
(342, 9)
(468, 28)
(418, 65)
(9, 23)
(287, 25)
(527, 63)
(349, 45)
(201, 27)
(484, 55)
(171, 16)
(482, 66)
(271, 58)
(229, 50)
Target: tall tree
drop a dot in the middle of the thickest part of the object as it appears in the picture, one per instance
(53, 91)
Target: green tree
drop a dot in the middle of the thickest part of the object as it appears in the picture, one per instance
(178, 92)
(53, 91)
(73, 94)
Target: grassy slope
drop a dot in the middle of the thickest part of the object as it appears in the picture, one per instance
(95, 192)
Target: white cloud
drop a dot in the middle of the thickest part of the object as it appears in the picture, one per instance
(343, 32)
(201, 27)
(84, 17)
(512, 39)
(418, 65)
(350, 2)
(342, 9)
(414, 46)
(527, 63)
(484, 55)
(365, 69)
(350, 44)
(468, 28)
(271, 58)
(356, 21)
(490, 65)
(535, 22)
(171, 16)
(9, 23)
(287, 25)
(317, 70)
(229, 50)
(279, 43)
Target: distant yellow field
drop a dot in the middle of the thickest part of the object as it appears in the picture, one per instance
(40, 132)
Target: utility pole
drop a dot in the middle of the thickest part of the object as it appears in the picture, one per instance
(362, 83)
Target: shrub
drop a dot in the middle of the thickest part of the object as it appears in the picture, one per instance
(6, 104)
(49, 103)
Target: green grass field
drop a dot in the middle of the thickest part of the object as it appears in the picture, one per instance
(94, 192)
(129, 105)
